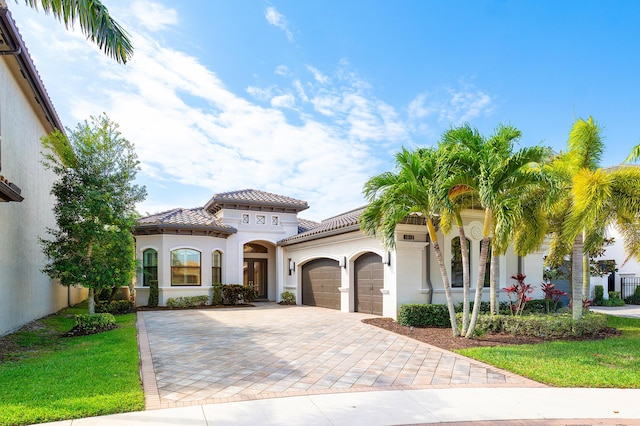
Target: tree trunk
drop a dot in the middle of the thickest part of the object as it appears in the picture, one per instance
(445, 278)
(484, 249)
(576, 277)
(464, 252)
(92, 302)
(586, 273)
(493, 288)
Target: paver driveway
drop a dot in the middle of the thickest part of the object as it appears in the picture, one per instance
(222, 355)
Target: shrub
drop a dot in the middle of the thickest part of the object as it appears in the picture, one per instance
(485, 307)
(598, 298)
(634, 299)
(232, 294)
(115, 307)
(153, 294)
(614, 299)
(422, 315)
(552, 294)
(519, 292)
(217, 295)
(248, 294)
(288, 298)
(546, 326)
(96, 323)
(187, 301)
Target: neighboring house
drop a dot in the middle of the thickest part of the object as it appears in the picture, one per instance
(627, 277)
(252, 237)
(26, 114)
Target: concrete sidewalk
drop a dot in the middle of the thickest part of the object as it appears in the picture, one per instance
(513, 406)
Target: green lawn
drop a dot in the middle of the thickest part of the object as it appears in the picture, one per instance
(607, 363)
(54, 378)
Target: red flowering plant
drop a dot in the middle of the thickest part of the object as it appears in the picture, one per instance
(552, 294)
(517, 294)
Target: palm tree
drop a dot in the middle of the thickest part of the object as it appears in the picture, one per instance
(412, 190)
(635, 154)
(593, 199)
(95, 22)
(498, 178)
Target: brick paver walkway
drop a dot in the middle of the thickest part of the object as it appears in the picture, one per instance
(220, 355)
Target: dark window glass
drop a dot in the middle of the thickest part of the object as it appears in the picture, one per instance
(456, 262)
(149, 266)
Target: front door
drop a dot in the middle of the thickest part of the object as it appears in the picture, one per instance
(255, 275)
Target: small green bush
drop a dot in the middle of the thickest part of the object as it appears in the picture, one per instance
(423, 315)
(614, 299)
(248, 294)
(485, 307)
(598, 298)
(288, 298)
(153, 294)
(217, 295)
(96, 323)
(115, 307)
(233, 294)
(187, 301)
(536, 306)
(546, 326)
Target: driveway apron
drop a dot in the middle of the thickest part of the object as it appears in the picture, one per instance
(209, 356)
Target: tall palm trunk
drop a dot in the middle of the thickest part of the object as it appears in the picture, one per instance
(586, 272)
(464, 252)
(576, 276)
(493, 288)
(445, 278)
(484, 250)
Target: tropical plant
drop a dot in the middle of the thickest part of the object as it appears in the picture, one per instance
(92, 245)
(498, 180)
(592, 199)
(635, 154)
(95, 22)
(412, 190)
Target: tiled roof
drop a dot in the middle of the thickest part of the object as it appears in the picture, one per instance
(305, 225)
(184, 218)
(345, 222)
(254, 198)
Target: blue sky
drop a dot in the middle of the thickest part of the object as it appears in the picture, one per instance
(311, 98)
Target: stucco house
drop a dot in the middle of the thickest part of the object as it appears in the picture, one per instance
(26, 114)
(256, 238)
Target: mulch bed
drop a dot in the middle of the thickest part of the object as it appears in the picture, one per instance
(164, 308)
(444, 338)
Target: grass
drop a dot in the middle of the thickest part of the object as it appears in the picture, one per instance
(50, 377)
(607, 363)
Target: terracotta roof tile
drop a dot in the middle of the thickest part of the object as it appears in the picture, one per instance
(305, 225)
(254, 197)
(344, 222)
(197, 217)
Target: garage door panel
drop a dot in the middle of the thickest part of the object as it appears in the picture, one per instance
(369, 275)
(321, 280)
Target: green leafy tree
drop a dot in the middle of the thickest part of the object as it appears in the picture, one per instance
(592, 199)
(412, 190)
(497, 179)
(95, 22)
(92, 245)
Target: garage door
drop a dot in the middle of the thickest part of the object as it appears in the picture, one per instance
(320, 283)
(369, 274)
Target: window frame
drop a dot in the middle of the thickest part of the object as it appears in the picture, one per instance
(216, 270)
(149, 272)
(186, 268)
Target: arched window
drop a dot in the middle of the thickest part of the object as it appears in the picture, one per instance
(216, 267)
(456, 261)
(149, 266)
(185, 267)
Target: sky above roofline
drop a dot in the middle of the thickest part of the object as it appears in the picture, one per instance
(310, 99)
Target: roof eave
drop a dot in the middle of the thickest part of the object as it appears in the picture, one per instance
(156, 228)
(319, 235)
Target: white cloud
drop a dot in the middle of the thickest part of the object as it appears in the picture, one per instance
(154, 16)
(320, 78)
(276, 19)
(283, 70)
(283, 101)
(452, 105)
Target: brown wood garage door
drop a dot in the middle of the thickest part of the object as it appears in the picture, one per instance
(320, 283)
(369, 274)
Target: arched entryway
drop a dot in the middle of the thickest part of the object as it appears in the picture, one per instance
(321, 281)
(369, 280)
(256, 269)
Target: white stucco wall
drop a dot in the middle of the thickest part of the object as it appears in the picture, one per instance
(27, 293)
